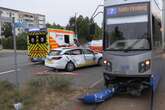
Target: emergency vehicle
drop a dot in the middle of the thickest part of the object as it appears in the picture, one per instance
(40, 42)
(96, 46)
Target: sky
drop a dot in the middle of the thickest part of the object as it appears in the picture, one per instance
(58, 11)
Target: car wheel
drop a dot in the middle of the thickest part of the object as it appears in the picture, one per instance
(70, 67)
(100, 62)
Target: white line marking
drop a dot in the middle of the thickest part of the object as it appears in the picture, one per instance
(5, 72)
(95, 83)
(67, 73)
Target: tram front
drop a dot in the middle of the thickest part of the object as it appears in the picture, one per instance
(127, 42)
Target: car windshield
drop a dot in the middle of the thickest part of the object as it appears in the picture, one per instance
(55, 52)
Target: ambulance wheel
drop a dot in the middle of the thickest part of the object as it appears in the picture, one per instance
(70, 67)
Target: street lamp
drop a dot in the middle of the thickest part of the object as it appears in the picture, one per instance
(75, 24)
(163, 23)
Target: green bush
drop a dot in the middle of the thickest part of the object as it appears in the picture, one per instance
(21, 42)
(7, 43)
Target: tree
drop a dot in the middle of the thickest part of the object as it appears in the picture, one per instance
(55, 26)
(83, 27)
(7, 30)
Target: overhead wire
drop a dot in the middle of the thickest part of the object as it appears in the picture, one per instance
(158, 5)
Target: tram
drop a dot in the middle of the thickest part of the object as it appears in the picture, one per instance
(133, 42)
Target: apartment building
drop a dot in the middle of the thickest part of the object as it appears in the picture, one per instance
(24, 20)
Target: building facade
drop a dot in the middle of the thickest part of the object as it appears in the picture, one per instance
(23, 20)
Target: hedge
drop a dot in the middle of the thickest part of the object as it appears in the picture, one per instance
(21, 39)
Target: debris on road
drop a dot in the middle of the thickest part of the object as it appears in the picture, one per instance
(98, 97)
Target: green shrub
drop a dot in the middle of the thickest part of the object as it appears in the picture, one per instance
(21, 42)
(7, 43)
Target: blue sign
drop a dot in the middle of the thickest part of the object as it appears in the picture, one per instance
(112, 11)
(20, 24)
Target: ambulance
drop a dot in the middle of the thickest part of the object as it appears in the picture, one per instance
(96, 46)
(41, 41)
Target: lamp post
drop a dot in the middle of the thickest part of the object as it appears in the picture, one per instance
(163, 24)
(75, 23)
(0, 35)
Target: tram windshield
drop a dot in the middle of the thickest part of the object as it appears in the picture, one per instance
(124, 31)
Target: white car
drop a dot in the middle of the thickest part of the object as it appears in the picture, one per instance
(69, 59)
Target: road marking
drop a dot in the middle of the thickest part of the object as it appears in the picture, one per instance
(95, 83)
(10, 71)
(67, 73)
(43, 73)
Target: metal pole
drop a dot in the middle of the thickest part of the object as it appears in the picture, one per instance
(96, 10)
(15, 51)
(75, 23)
(163, 24)
(1, 34)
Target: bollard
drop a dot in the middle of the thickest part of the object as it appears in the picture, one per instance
(18, 106)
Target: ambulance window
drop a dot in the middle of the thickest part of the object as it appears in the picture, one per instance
(42, 39)
(32, 39)
(66, 38)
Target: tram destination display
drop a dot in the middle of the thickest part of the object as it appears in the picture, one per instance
(127, 10)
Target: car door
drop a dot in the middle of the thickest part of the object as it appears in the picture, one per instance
(77, 57)
(90, 58)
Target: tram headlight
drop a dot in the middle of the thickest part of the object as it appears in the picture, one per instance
(144, 66)
(108, 65)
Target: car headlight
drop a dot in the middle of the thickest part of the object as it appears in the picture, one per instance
(144, 66)
(108, 65)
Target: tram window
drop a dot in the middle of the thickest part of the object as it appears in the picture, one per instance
(157, 39)
(42, 39)
(32, 40)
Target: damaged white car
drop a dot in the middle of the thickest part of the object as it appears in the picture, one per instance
(69, 59)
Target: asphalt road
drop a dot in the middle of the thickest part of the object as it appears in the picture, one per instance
(90, 77)
(84, 77)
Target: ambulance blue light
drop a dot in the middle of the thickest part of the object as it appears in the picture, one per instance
(34, 30)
